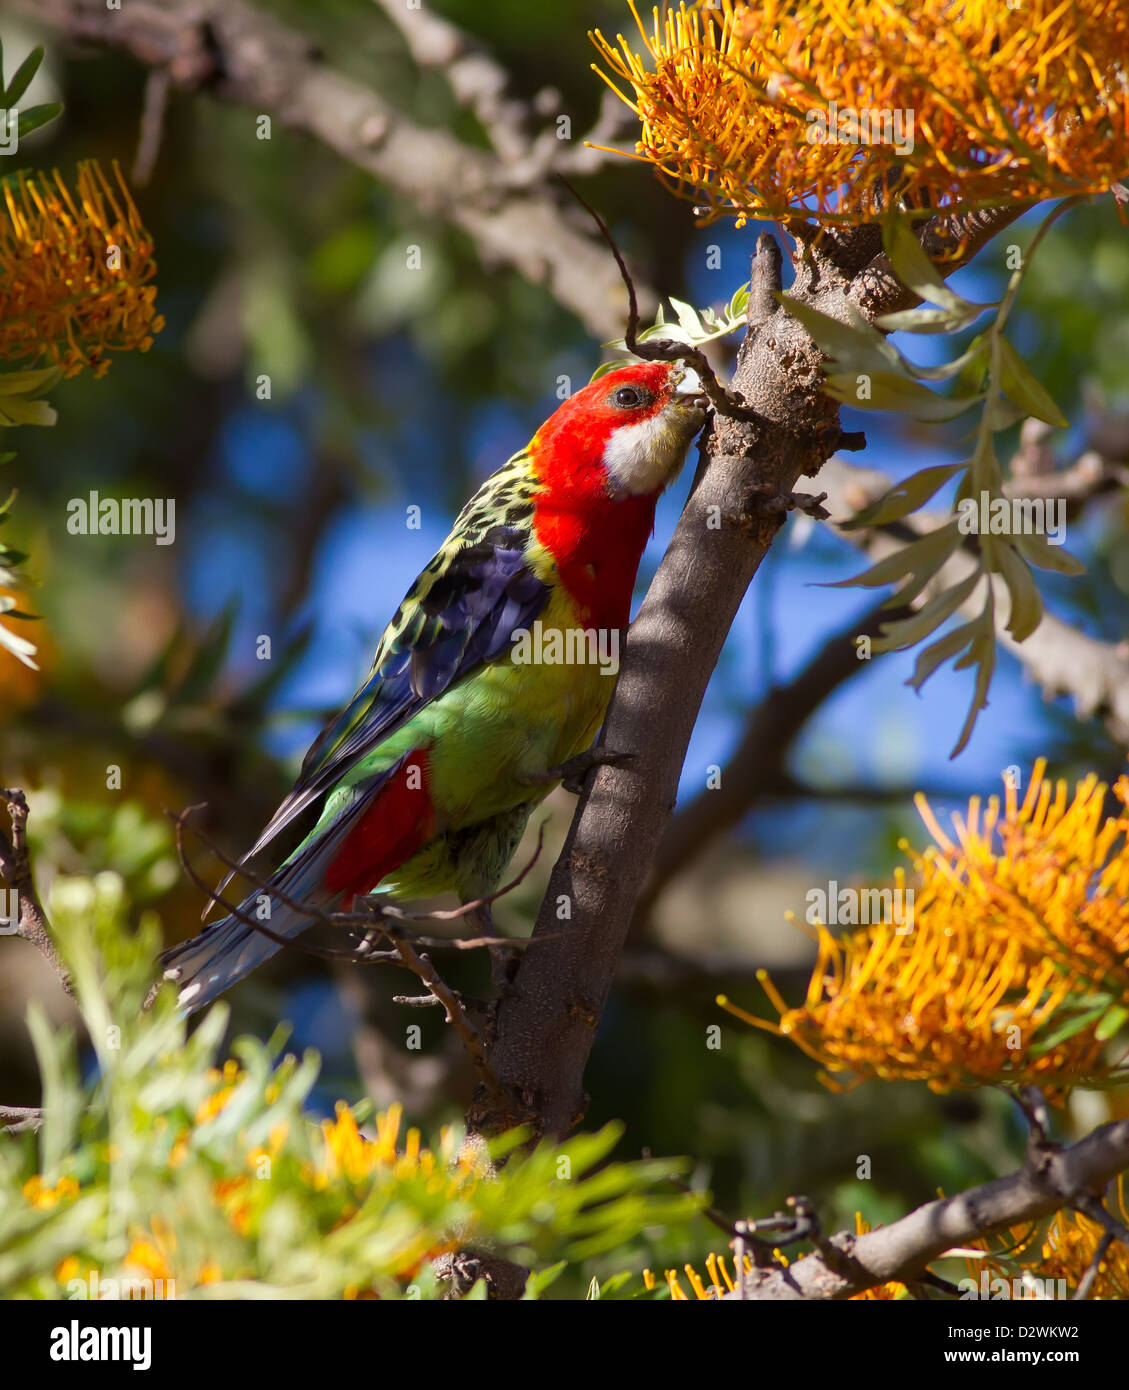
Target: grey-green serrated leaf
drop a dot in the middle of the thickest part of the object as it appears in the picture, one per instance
(1025, 389)
(931, 549)
(1038, 550)
(1026, 602)
(914, 268)
(928, 320)
(904, 497)
(907, 632)
(887, 391)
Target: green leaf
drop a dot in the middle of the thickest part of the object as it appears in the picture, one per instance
(1002, 414)
(687, 317)
(36, 116)
(932, 656)
(857, 344)
(14, 410)
(907, 632)
(890, 391)
(927, 320)
(1026, 603)
(931, 549)
(1069, 1028)
(903, 497)
(542, 1279)
(1112, 1023)
(605, 367)
(22, 79)
(982, 655)
(1025, 389)
(28, 382)
(914, 268)
(1039, 552)
(975, 353)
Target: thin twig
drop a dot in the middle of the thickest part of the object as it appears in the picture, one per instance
(421, 967)
(15, 866)
(153, 109)
(381, 915)
(725, 402)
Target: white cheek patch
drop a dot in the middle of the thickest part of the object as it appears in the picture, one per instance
(640, 458)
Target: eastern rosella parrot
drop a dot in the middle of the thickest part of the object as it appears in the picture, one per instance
(427, 778)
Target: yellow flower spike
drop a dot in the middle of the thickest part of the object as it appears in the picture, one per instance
(40, 1196)
(1063, 1251)
(75, 277)
(1009, 104)
(1025, 916)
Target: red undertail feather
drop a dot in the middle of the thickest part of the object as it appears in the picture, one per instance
(398, 822)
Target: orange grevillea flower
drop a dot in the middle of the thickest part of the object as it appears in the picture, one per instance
(717, 1271)
(75, 272)
(829, 107)
(1015, 966)
(41, 1196)
(350, 1155)
(1050, 1260)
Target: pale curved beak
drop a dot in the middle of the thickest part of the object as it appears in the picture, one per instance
(689, 391)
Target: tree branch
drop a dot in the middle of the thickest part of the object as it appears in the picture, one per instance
(1052, 1178)
(15, 866)
(547, 1022)
(244, 55)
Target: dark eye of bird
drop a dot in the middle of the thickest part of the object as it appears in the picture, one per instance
(628, 396)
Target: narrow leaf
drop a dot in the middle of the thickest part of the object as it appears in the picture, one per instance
(904, 497)
(1024, 388)
(914, 268)
(21, 81)
(1039, 552)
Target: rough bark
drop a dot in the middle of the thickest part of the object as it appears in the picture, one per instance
(547, 1020)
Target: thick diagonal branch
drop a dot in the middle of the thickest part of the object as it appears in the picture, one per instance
(547, 1023)
(1051, 1179)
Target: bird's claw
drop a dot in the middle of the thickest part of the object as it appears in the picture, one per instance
(571, 774)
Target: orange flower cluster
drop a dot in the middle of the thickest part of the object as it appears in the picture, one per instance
(75, 273)
(1035, 1264)
(1016, 967)
(831, 107)
(717, 1270)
